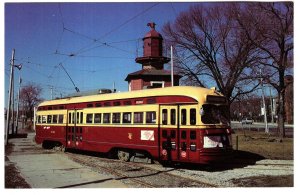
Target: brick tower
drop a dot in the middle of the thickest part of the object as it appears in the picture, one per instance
(152, 74)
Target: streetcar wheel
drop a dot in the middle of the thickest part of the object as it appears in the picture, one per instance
(124, 155)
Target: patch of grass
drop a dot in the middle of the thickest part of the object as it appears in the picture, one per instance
(263, 144)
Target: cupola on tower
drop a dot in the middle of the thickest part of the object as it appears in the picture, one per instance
(152, 74)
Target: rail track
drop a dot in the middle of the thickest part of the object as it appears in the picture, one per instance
(136, 174)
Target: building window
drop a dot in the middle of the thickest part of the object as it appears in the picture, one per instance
(138, 117)
(157, 84)
(126, 117)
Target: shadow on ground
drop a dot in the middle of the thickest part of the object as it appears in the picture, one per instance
(240, 159)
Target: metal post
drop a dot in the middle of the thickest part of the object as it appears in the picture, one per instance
(264, 105)
(172, 73)
(18, 105)
(9, 97)
(271, 103)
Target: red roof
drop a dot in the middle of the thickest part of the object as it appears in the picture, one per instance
(150, 72)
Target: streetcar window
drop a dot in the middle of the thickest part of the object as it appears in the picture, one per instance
(61, 107)
(150, 117)
(49, 118)
(73, 117)
(70, 117)
(164, 134)
(97, 118)
(77, 117)
(60, 118)
(49, 108)
(44, 119)
(215, 114)
(127, 102)
(39, 120)
(54, 120)
(106, 118)
(89, 105)
(138, 117)
(183, 134)
(106, 104)
(81, 117)
(173, 116)
(116, 103)
(126, 117)
(173, 134)
(193, 116)
(192, 135)
(164, 116)
(89, 118)
(151, 101)
(183, 116)
(116, 117)
(98, 105)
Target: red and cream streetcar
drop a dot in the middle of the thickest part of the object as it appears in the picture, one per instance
(175, 124)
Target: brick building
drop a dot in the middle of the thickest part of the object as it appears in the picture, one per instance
(153, 74)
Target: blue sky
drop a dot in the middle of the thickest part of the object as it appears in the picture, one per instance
(40, 34)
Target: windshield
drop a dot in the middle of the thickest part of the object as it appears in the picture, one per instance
(214, 114)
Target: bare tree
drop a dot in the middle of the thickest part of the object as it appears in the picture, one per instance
(211, 49)
(30, 97)
(269, 26)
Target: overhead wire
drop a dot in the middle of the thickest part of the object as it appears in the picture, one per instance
(118, 27)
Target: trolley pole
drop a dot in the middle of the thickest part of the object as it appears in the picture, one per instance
(9, 97)
(172, 71)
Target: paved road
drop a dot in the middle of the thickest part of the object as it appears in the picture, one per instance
(42, 169)
(289, 129)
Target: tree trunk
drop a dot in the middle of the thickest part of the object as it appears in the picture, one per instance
(281, 115)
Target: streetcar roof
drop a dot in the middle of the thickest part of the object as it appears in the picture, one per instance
(197, 93)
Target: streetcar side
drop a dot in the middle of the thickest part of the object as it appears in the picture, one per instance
(165, 125)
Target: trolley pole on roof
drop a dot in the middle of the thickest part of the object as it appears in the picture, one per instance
(172, 71)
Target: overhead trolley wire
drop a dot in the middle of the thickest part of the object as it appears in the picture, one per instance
(118, 27)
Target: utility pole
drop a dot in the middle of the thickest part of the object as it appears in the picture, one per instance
(264, 104)
(9, 96)
(271, 104)
(172, 71)
(18, 105)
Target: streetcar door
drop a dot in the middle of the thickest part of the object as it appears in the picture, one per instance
(188, 137)
(74, 129)
(169, 130)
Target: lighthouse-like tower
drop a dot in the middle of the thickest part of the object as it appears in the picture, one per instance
(152, 74)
